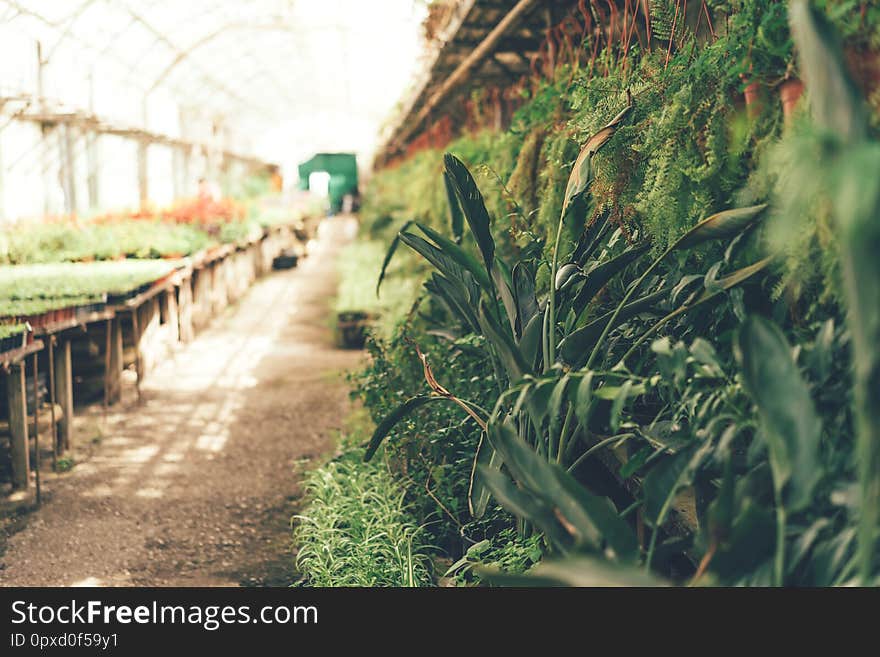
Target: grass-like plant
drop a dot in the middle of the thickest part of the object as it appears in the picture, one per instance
(356, 529)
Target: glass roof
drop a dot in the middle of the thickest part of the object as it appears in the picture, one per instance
(284, 78)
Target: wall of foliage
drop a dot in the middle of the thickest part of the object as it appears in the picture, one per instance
(645, 349)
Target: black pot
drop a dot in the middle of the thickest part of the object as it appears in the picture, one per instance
(352, 329)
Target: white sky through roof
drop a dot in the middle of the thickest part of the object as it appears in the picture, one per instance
(285, 78)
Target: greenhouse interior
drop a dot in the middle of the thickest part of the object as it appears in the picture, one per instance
(440, 293)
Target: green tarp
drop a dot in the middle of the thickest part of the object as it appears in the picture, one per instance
(342, 168)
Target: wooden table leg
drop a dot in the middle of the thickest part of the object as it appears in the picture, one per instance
(36, 389)
(138, 364)
(108, 330)
(64, 393)
(50, 348)
(114, 372)
(16, 398)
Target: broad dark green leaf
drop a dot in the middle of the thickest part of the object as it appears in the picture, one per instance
(663, 482)
(575, 347)
(790, 425)
(458, 254)
(502, 341)
(557, 398)
(726, 224)
(584, 399)
(750, 541)
(525, 505)
(472, 205)
(530, 342)
(446, 264)
(478, 494)
(590, 519)
(503, 287)
(524, 294)
(538, 401)
(455, 299)
(581, 172)
(602, 274)
(834, 100)
(456, 218)
(395, 416)
(392, 248)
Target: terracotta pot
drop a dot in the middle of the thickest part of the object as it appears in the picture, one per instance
(754, 94)
(790, 93)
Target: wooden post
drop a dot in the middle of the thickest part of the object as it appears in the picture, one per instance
(108, 332)
(36, 390)
(219, 285)
(18, 426)
(185, 310)
(64, 393)
(169, 301)
(115, 363)
(138, 364)
(53, 433)
(146, 336)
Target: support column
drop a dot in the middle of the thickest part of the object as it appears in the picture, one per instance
(169, 303)
(18, 426)
(64, 392)
(143, 178)
(114, 371)
(185, 310)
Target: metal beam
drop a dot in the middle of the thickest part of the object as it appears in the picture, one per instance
(481, 52)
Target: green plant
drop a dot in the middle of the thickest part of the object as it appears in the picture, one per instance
(356, 529)
(64, 464)
(855, 201)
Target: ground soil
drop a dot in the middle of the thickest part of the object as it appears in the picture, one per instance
(196, 485)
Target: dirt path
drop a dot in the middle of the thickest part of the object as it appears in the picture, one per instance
(196, 486)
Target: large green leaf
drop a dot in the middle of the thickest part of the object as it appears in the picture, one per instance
(575, 347)
(839, 110)
(581, 172)
(835, 103)
(663, 482)
(589, 519)
(502, 341)
(524, 504)
(504, 288)
(395, 416)
(530, 342)
(575, 571)
(584, 399)
(446, 264)
(458, 254)
(789, 423)
(524, 294)
(602, 274)
(721, 225)
(455, 298)
(392, 248)
(456, 218)
(472, 204)
(478, 494)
